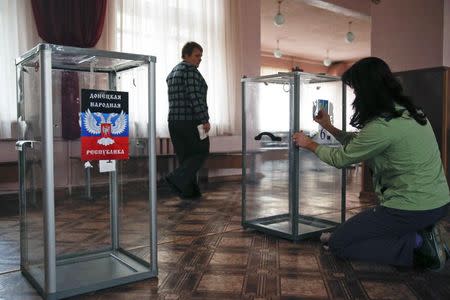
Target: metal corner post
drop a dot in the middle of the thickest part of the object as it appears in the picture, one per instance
(294, 155)
(22, 191)
(244, 157)
(114, 185)
(48, 172)
(152, 164)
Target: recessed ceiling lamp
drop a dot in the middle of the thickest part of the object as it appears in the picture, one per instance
(327, 61)
(349, 36)
(277, 52)
(278, 20)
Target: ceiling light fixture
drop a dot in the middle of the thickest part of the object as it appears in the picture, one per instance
(278, 20)
(349, 36)
(277, 52)
(327, 61)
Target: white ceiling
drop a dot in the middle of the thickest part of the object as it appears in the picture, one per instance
(309, 31)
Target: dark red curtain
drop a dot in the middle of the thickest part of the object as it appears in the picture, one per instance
(76, 23)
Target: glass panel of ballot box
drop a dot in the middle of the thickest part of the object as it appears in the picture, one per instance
(86, 145)
(288, 191)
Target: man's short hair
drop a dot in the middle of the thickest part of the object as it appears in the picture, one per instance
(189, 47)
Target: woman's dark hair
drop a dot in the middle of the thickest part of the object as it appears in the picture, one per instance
(376, 92)
(189, 47)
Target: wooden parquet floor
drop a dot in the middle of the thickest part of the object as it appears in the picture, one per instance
(203, 253)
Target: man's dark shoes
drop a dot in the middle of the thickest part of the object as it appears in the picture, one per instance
(194, 195)
(196, 192)
(173, 188)
(431, 255)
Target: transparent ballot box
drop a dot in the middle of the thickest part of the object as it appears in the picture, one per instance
(86, 222)
(288, 191)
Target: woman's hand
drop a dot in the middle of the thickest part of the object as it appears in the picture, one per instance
(323, 119)
(206, 127)
(302, 140)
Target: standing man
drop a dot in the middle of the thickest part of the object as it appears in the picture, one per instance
(188, 113)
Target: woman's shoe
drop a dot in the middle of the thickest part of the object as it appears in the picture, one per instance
(432, 252)
(445, 238)
(447, 251)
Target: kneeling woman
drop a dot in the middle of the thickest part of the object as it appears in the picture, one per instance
(397, 143)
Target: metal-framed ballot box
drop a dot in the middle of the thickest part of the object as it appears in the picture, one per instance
(288, 191)
(85, 110)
